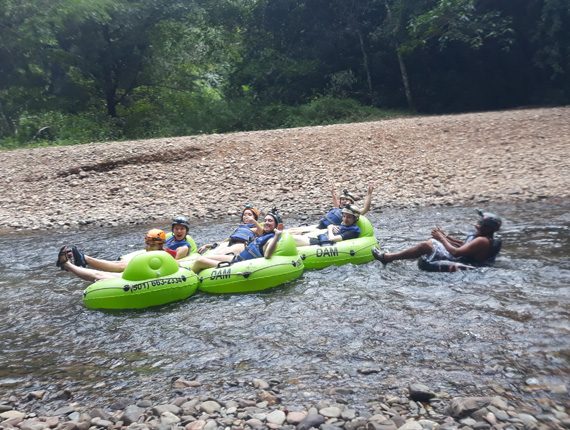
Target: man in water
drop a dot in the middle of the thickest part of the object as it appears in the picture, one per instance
(478, 249)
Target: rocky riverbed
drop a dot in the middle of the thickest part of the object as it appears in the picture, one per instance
(417, 408)
(519, 155)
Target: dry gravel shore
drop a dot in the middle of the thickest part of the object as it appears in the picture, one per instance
(518, 155)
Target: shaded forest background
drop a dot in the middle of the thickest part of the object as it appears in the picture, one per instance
(74, 71)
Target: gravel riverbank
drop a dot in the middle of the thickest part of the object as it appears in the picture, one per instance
(520, 155)
(417, 408)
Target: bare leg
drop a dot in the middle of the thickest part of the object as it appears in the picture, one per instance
(236, 248)
(88, 274)
(301, 240)
(106, 265)
(422, 248)
(209, 261)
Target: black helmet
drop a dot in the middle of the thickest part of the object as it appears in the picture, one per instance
(489, 220)
(273, 213)
(181, 220)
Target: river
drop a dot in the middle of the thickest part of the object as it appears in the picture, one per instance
(346, 332)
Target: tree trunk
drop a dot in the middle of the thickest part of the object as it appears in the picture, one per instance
(366, 65)
(5, 123)
(405, 81)
(403, 70)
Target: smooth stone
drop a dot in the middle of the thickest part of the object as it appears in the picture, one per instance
(266, 396)
(168, 418)
(463, 406)
(101, 413)
(131, 414)
(348, 414)
(411, 425)
(210, 406)
(158, 410)
(12, 415)
(420, 393)
(311, 420)
(260, 383)
(330, 412)
(211, 425)
(276, 417)
(196, 425)
(65, 410)
(100, 422)
(428, 424)
(296, 417)
(386, 424)
(254, 423)
(32, 424)
(527, 419)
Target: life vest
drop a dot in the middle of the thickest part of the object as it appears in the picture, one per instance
(343, 229)
(171, 245)
(255, 248)
(334, 216)
(243, 233)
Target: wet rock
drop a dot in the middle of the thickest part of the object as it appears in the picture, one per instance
(209, 406)
(463, 406)
(131, 414)
(330, 412)
(268, 397)
(385, 424)
(36, 395)
(196, 425)
(276, 417)
(168, 418)
(311, 420)
(260, 383)
(420, 393)
(10, 415)
(411, 425)
(254, 423)
(296, 417)
(64, 410)
(158, 410)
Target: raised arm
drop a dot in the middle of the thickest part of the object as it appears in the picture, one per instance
(272, 244)
(367, 199)
(335, 197)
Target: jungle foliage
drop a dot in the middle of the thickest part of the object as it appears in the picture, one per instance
(75, 71)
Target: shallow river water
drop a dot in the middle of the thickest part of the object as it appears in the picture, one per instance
(350, 332)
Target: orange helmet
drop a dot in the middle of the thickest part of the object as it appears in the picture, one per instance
(155, 235)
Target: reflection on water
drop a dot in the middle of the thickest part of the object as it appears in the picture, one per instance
(457, 332)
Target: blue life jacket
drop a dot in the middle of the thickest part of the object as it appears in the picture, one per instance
(243, 233)
(346, 231)
(334, 216)
(255, 248)
(172, 243)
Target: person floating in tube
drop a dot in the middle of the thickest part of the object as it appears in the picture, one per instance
(448, 254)
(72, 260)
(334, 215)
(347, 229)
(244, 233)
(262, 246)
